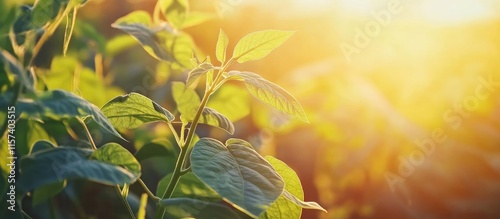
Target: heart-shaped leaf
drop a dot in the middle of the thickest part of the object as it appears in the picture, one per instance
(238, 173)
(132, 110)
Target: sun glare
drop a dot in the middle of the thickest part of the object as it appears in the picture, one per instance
(454, 11)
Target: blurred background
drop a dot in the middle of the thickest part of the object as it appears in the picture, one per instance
(403, 97)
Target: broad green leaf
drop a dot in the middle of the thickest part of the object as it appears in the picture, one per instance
(271, 94)
(41, 145)
(283, 208)
(141, 214)
(196, 208)
(189, 186)
(259, 44)
(199, 71)
(213, 118)
(194, 18)
(115, 154)
(220, 49)
(187, 100)
(238, 173)
(43, 193)
(51, 166)
(58, 105)
(137, 24)
(22, 25)
(46, 10)
(181, 46)
(29, 132)
(132, 110)
(234, 141)
(231, 101)
(118, 44)
(175, 11)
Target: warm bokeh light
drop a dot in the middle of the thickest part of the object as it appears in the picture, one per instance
(393, 88)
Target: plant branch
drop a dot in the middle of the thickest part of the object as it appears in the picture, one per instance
(117, 187)
(145, 187)
(179, 171)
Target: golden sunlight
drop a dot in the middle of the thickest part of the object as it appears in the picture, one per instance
(455, 11)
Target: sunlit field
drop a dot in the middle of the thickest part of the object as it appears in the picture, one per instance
(402, 98)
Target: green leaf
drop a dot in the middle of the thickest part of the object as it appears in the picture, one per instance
(232, 101)
(46, 10)
(271, 94)
(188, 186)
(132, 110)
(194, 18)
(213, 118)
(175, 11)
(115, 154)
(156, 149)
(259, 44)
(283, 208)
(118, 44)
(29, 132)
(41, 145)
(12, 66)
(220, 49)
(46, 192)
(137, 24)
(59, 104)
(187, 100)
(238, 173)
(23, 24)
(198, 72)
(196, 208)
(55, 165)
(234, 141)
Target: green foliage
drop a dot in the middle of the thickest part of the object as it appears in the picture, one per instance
(238, 173)
(68, 162)
(63, 137)
(259, 44)
(132, 110)
(59, 104)
(270, 93)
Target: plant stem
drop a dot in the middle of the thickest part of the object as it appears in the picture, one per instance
(124, 201)
(117, 187)
(145, 187)
(178, 171)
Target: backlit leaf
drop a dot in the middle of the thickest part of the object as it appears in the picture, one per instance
(271, 94)
(175, 11)
(211, 117)
(259, 44)
(220, 49)
(198, 72)
(115, 154)
(132, 110)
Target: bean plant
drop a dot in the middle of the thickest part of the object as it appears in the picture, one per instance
(62, 138)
